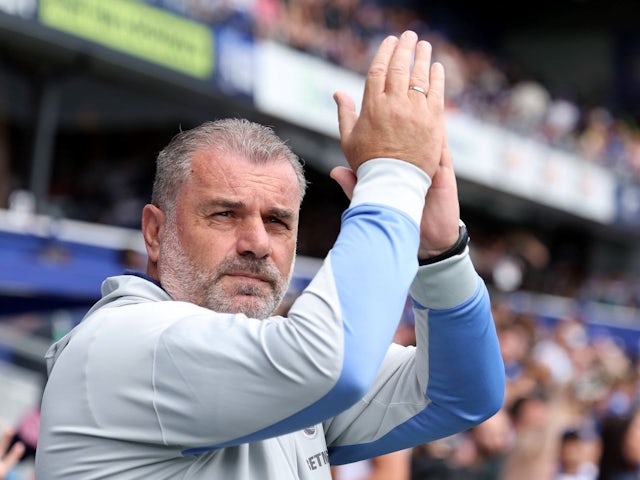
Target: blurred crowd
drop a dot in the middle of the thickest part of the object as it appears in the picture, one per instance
(512, 259)
(111, 188)
(481, 83)
(111, 184)
(570, 410)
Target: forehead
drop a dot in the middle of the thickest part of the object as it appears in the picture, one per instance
(215, 173)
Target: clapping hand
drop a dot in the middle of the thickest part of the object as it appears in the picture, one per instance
(403, 117)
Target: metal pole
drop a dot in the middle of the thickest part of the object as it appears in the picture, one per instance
(44, 141)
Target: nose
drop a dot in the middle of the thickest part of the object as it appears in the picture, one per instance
(253, 238)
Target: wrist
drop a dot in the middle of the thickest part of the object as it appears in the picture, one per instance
(456, 249)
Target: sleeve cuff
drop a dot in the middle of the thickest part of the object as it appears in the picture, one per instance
(445, 284)
(394, 183)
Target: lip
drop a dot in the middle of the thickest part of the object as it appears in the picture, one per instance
(248, 275)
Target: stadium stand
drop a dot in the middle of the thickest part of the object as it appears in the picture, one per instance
(549, 183)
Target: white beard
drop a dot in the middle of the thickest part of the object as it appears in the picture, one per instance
(184, 280)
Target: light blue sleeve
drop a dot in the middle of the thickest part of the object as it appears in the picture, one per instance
(452, 380)
(375, 261)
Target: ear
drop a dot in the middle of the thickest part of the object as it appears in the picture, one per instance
(153, 220)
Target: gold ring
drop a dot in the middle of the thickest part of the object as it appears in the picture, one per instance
(418, 89)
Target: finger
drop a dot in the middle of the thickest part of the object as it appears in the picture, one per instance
(347, 115)
(421, 66)
(400, 64)
(377, 73)
(435, 99)
(5, 439)
(345, 178)
(14, 455)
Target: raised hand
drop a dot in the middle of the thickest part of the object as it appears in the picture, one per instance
(397, 121)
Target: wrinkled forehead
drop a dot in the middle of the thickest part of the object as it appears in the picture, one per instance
(235, 175)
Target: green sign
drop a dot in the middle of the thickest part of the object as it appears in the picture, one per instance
(136, 29)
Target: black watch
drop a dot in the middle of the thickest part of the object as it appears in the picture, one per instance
(456, 249)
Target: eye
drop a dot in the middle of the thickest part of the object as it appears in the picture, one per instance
(277, 221)
(223, 216)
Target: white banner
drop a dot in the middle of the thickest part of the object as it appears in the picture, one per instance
(299, 87)
(492, 156)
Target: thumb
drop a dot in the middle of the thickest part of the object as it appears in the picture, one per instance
(347, 115)
(345, 178)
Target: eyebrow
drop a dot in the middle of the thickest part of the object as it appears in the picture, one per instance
(223, 203)
(283, 213)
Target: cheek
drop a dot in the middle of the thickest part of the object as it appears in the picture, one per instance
(283, 254)
(205, 248)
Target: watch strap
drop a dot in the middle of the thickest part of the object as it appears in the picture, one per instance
(456, 249)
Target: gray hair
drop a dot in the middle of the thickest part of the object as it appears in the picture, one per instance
(253, 141)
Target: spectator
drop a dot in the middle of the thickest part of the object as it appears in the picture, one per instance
(538, 418)
(494, 439)
(10, 454)
(576, 460)
(620, 459)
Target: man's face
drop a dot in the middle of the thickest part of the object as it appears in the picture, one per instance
(232, 245)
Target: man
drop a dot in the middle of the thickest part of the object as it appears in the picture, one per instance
(182, 373)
